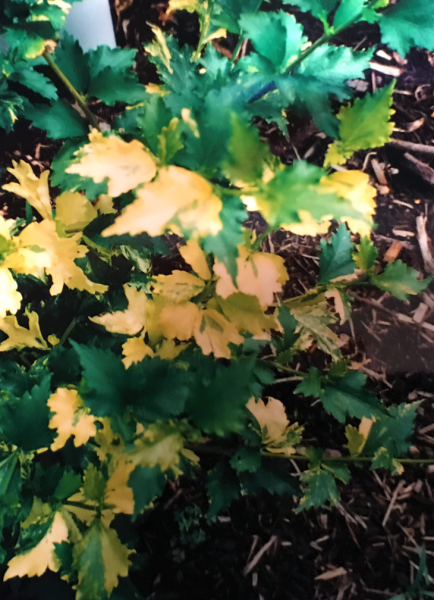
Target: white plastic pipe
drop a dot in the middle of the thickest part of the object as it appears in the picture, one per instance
(90, 23)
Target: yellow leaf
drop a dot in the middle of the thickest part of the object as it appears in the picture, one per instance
(20, 337)
(159, 444)
(57, 259)
(74, 211)
(213, 332)
(119, 496)
(71, 418)
(104, 205)
(259, 274)
(246, 314)
(339, 303)
(126, 165)
(177, 198)
(271, 417)
(42, 557)
(39, 512)
(129, 321)
(177, 321)
(278, 436)
(357, 438)
(189, 5)
(10, 299)
(194, 256)
(33, 189)
(308, 225)
(179, 286)
(354, 186)
(135, 350)
(109, 442)
(159, 48)
(169, 350)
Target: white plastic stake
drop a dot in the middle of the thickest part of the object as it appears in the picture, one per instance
(90, 23)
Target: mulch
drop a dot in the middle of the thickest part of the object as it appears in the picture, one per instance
(366, 546)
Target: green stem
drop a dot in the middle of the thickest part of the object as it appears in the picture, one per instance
(68, 331)
(29, 213)
(80, 505)
(280, 367)
(301, 458)
(237, 49)
(78, 97)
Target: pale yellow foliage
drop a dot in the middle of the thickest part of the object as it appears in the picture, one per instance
(169, 350)
(278, 436)
(271, 417)
(308, 225)
(34, 189)
(10, 298)
(71, 418)
(119, 496)
(193, 255)
(158, 445)
(109, 442)
(259, 274)
(104, 205)
(213, 332)
(74, 211)
(179, 286)
(159, 48)
(20, 337)
(135, 350)
(57, 259)
(129, 321)
(114, 556)
(177, 321)
(177, 199)
(189, 5)
(42, 556)
(355, 187)
(246, 314)
(125, 164)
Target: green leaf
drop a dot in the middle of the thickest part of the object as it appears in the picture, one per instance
(94, 485)
(37, 82)
(311, 384)
(147, 483)
(348, 12)
(347, 397)
(338, 470)
(73, 62)
(68, 485)
(24, 420)
(148, 386)
(366, 254)
(319, 487)
(224, 245)
(406, 24)
(272, 476)
(322, 75)
(391, 434)
(296, 188)
(228, 13)
(246, 459)
(113, 86)
(217, 401)
(366, 124)
(59, 120)
(336, 259)
(275, 36)
(401, 281)
(319, 8)
(247, 152)
(10, 477)
(223, 487)
(100, 559)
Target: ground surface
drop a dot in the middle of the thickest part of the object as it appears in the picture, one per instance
(365, 548)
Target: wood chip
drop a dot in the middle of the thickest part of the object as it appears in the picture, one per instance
(415, 124)
(255, 560)
(392, 502)
(420, 313)
(386, 69)
(422, 148)
(393, 252)
(424, 243)
(332, 574)
(379, 171)
(420, 168)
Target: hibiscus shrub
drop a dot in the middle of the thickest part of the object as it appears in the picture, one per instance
(114, 379)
